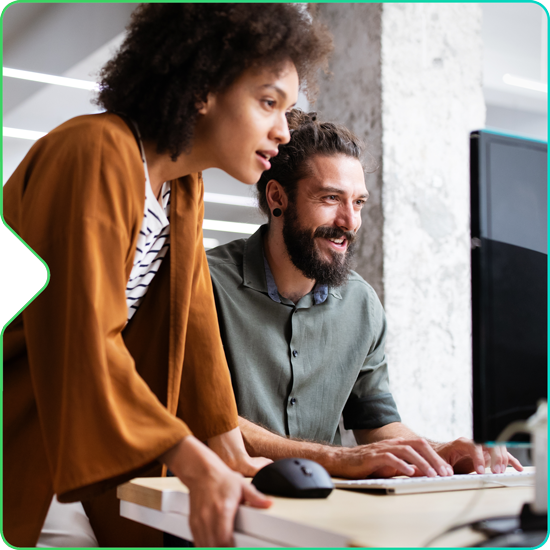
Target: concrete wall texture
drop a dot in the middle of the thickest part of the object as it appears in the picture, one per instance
(408, 80)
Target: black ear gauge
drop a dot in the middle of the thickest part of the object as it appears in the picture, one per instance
(277, 212)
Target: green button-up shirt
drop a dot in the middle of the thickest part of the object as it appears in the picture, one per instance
(297, 367)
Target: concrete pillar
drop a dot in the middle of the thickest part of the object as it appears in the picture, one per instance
(407, 78)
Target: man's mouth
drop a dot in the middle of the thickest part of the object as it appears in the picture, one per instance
(338, 243)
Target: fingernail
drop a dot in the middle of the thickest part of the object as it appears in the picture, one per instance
(450, 470)
(432, 473)
(443, 471)
(480, 470)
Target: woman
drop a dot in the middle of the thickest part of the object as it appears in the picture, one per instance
(117, 367)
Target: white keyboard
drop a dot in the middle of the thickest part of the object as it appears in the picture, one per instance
(405, 485)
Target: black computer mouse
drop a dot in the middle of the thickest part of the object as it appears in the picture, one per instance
(295, 478)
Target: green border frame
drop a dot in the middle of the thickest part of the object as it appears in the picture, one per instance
(44, 263)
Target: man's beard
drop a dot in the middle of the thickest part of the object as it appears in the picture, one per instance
(300, 245)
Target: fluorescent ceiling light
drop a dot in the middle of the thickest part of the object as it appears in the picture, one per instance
(525, 83)
(236, 200)
(230, 227)
(22, 134)
(51, 79)
(210, 243)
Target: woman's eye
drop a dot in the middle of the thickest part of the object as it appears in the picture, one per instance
(269, 103)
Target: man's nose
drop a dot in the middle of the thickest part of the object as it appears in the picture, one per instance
(349, 219)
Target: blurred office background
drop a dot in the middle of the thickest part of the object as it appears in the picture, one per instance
(75, 40)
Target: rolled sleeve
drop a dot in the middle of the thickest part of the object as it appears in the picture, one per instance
(367, 413)
(370, 404)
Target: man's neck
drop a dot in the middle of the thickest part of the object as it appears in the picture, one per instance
(291, 282)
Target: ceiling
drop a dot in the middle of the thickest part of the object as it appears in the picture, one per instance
(75, 40)
(515, 41)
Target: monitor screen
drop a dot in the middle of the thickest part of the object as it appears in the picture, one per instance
(509, 280)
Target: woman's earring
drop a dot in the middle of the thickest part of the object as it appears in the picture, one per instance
(277, 212)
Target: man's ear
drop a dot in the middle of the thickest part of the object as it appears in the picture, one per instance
(275, 195)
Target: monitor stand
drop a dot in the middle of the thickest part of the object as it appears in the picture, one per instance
(532, 527)
(538, 426)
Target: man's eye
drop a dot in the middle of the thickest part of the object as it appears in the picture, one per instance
(332, 197)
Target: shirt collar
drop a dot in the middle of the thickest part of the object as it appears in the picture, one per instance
(257, 273)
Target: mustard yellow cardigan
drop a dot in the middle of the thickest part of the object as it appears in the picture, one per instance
(88, 403)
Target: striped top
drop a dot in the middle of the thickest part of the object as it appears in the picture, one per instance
(152, 243)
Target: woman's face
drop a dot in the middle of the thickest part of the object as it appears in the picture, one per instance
(242, 127)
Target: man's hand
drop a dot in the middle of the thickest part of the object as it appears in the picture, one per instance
(215, 491)
(388, 458)
(391, 450)
(465, 457)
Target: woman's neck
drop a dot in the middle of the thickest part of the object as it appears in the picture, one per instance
(162, 168)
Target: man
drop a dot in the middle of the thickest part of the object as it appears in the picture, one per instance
(304, 335)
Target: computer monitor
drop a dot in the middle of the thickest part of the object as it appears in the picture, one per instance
(509, 280)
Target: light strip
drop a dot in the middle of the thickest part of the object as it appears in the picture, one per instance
(210, 243)
(50, 79)
(525, 83)
(22, 134)
(237, 200)
(230, 227)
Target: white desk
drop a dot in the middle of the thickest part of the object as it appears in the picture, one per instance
(345, 518)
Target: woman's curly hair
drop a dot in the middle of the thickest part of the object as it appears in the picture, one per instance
(309, 138)
(175, 54)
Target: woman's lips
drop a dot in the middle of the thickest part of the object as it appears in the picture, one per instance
(264, 156)
(265, 163)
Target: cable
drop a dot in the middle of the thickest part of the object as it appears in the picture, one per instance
(477, 525)
(469, 506)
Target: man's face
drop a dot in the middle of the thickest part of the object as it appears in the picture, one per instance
(322, 219)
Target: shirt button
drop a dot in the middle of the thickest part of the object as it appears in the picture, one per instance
(295, 353)
(292, 400)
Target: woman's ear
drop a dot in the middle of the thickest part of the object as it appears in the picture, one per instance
(204, 106)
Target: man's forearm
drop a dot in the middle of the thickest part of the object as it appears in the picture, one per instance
(261, 442)
(380, 458)
(389, 431)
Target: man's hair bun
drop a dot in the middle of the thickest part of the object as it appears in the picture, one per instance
(297, 118)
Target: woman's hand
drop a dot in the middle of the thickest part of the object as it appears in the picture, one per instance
(229, 446)
(215, 491)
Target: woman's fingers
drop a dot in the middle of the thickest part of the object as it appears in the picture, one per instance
(253, 497)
